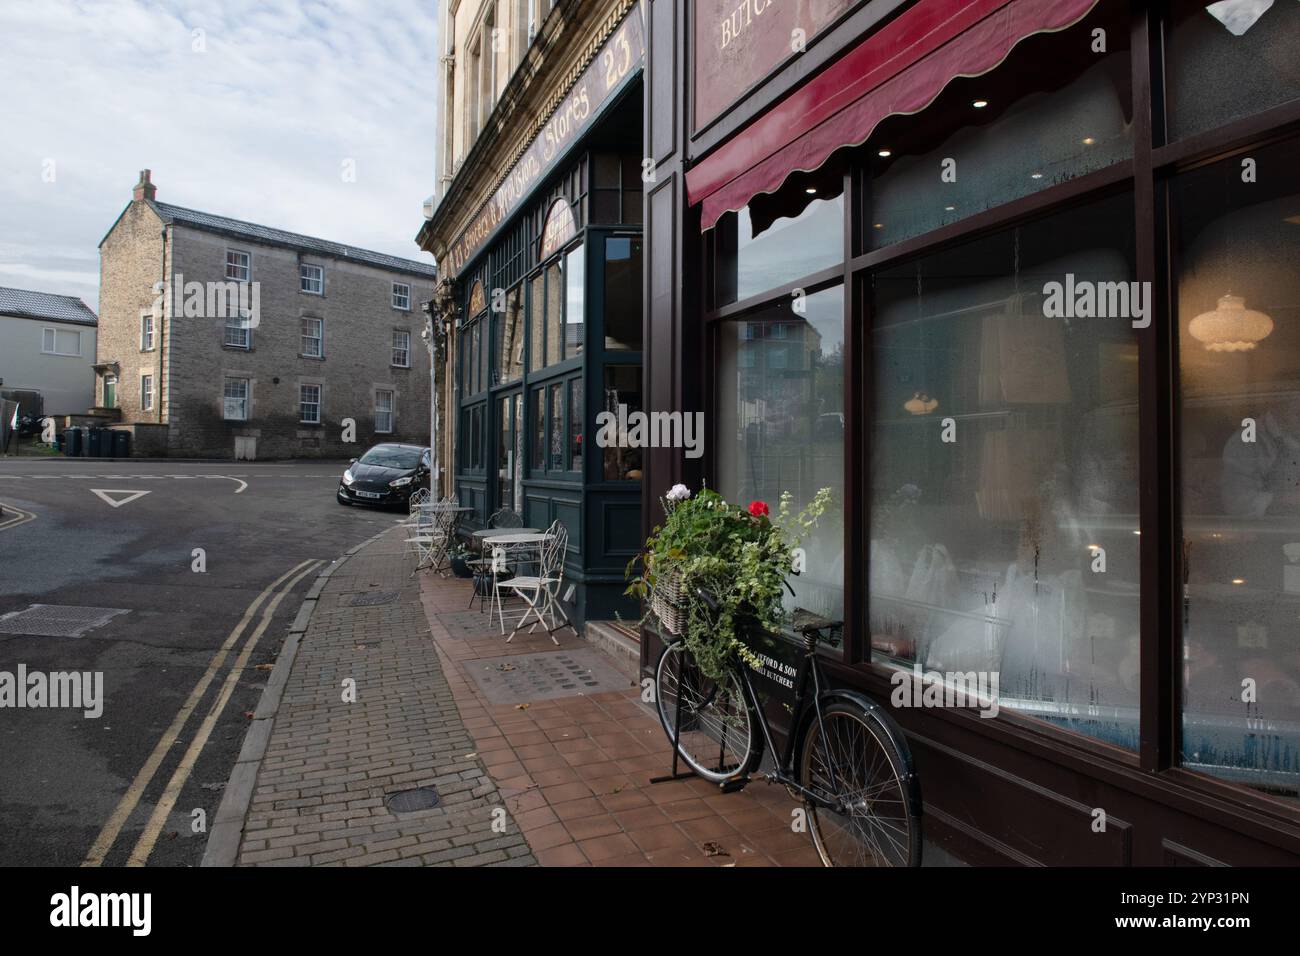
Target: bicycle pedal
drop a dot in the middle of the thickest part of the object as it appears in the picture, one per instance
(734, 786)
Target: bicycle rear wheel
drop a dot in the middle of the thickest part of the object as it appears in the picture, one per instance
(857, 760)
(715, 726)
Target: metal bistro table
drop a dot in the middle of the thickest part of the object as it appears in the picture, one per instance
(434, 537)
(517, 544)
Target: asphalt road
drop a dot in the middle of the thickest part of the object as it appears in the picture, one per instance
(73, 787)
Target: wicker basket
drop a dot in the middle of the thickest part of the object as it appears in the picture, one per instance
(668, 602)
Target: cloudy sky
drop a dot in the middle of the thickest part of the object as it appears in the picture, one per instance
(245, 109)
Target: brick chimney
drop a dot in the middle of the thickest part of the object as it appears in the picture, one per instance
(144, 189)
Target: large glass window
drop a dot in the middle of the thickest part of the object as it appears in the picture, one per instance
(556, 443)
(537, 321)
(554, 313)
(1238, 303)
(1228, 60)
(509, 340)
(623, 293)
(1057, 108)
(781, 237)
(1004, 477)
(576, 429)
(622, 462)
(781, 427)
(575, 274)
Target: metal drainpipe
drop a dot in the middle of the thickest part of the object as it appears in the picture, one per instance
(162, 328)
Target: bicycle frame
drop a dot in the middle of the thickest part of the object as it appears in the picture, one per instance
(785, 771)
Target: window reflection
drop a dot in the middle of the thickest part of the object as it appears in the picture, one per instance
(781, 428)
(622, 387)
(1229, 60)
(575, 276)
(1238, 305)
(1054, 110)
(623, 293)
(1004, 470)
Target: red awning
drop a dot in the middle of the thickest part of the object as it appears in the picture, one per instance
(899, 69)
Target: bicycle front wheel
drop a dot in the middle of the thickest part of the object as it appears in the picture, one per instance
(853, 760)
(709, 720)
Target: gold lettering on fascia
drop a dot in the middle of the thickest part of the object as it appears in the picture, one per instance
(740, 20)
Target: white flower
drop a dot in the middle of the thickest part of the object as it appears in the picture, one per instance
(679, 493)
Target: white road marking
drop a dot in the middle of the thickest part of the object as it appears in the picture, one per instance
(11, 517)
(131, 495)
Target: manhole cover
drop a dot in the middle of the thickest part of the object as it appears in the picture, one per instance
(545, 676)
(54, 620)
(372, 598)
(408, 801)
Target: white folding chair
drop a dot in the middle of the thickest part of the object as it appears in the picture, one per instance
(541, 592)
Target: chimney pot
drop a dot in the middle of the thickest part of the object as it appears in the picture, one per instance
(144, 189)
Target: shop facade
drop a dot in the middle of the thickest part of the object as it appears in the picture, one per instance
(1017, 281)
(538, 314)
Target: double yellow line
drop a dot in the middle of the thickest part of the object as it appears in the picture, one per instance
(276, 591)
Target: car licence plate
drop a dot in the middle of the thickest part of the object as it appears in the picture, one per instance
(368, 494)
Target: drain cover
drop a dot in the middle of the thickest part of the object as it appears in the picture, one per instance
(54, 620)
(372, 598)
(408, 801)
(545, 676)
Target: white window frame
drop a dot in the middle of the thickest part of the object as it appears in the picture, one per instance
(146, 392)
(50, 341)
(318, 338)
(303, 404)
(242, 322)
(227, 398)
(402, 300)
(390, 411)
(234, 265)
(404, 350)
(306, 279)
(146, 331)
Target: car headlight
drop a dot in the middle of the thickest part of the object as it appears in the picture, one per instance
(347, 477)
(401, 482)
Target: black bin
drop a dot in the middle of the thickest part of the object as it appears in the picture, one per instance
(94, 442)
(72, 446)
(121, 444)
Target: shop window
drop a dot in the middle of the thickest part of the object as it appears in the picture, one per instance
(556, 433)
(482, 348)
(510, 451)
(1055, 109)
(575, 424)
(1229, 60)
(575, 273)
(537, 461)
(623, 293)
(554, 313)
(537, 321)
(621, 461)
(1004, 502)
(509, 340)
(1238, 305)
(781, 429)
(781, 237)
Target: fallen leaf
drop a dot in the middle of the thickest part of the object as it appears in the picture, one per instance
(264, 667)
(521, 706)
(248, 714)
(713, 848)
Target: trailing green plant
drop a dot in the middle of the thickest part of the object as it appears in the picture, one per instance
(741, 555)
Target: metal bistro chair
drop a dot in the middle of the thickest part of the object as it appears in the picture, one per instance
(433, 526)
(541, 592)
(486, 566)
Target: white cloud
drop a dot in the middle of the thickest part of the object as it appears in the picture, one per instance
(256, 126)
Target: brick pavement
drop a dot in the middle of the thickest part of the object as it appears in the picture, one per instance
(575, 772)
(319, 796)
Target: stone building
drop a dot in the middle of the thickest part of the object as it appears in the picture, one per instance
(254, 342)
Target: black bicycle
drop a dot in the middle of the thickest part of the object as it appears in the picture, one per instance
(845, 757)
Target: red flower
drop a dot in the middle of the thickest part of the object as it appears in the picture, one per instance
(758, 509)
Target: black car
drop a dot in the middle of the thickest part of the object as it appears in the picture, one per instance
(385, 475)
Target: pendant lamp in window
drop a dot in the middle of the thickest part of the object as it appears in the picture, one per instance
(1231, 327)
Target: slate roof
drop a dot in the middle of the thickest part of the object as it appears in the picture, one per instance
(278, 237)
(44, 305)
